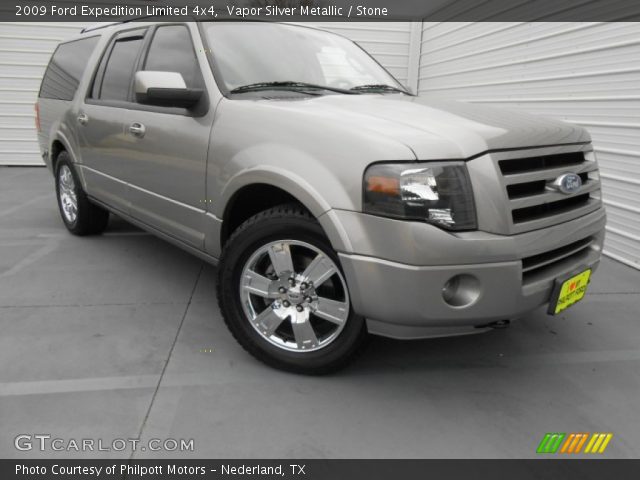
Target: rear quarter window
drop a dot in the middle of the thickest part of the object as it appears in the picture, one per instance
(65, 70)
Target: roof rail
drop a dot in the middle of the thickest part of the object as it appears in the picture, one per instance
(98, 26)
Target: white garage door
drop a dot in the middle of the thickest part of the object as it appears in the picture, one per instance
(586, 73)
(25, 49)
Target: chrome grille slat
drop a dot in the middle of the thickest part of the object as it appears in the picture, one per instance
(552, 196)
(591, 206)
(515, 178)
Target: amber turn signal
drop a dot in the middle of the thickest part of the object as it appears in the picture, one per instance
(386, 185)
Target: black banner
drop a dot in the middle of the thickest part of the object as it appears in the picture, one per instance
(322, 10)
(543, 469)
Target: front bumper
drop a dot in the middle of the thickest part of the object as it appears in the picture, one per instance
(402, 298)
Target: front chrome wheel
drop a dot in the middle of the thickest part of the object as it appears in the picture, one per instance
(294, 295)
(67, 194)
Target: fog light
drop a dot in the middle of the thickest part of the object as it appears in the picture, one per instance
(461, 290)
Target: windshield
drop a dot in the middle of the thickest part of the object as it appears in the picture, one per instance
(248, 53)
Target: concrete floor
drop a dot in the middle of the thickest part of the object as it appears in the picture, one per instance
(119, 336)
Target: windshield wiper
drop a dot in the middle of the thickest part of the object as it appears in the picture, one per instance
(287, 85)
(378, 87)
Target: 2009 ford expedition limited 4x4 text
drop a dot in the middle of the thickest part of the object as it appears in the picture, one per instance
(334, 202)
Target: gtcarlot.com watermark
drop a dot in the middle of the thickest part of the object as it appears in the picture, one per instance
(45, 442)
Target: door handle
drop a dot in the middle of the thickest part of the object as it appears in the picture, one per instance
(137, 129)
(83, 119)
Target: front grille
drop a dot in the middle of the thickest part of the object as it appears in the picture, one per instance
(534, 203)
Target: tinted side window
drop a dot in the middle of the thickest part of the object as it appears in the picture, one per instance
(66, 68)
(171, 50)
(119, 70)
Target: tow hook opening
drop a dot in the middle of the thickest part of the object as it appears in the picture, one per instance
(500, 324)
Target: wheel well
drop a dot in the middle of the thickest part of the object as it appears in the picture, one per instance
(56, 148)
(249, 201)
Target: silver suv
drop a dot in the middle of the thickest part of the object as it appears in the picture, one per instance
(334, 201)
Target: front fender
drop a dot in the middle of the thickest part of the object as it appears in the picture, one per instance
(297, 187)
(288, 181)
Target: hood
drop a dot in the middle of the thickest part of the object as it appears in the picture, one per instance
(435, 129)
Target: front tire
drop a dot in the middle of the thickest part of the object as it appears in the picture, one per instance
(79, 215)
(283, 295)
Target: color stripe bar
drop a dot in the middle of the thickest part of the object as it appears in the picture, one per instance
(550, 443)
(573, 443)
(599, 440)
(581, 443)
(542, 448)
(591, 442)
(577, 437)
(555, 443)
(567, 443)
(598, 443)
(605, 442)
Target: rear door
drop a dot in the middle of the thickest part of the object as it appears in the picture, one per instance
(100, 120)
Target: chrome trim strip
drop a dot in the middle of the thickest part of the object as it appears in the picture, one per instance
(148, 192)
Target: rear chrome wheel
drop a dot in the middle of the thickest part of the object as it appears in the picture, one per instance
(67, 194)
(79, 214)
(294, 295)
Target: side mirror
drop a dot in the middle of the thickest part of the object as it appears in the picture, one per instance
(165, 89)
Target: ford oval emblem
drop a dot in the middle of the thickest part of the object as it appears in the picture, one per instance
(568, 183)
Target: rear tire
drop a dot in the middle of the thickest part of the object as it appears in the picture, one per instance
(270, 302)
(79, 215)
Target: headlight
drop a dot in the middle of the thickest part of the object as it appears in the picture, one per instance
(435, 192)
